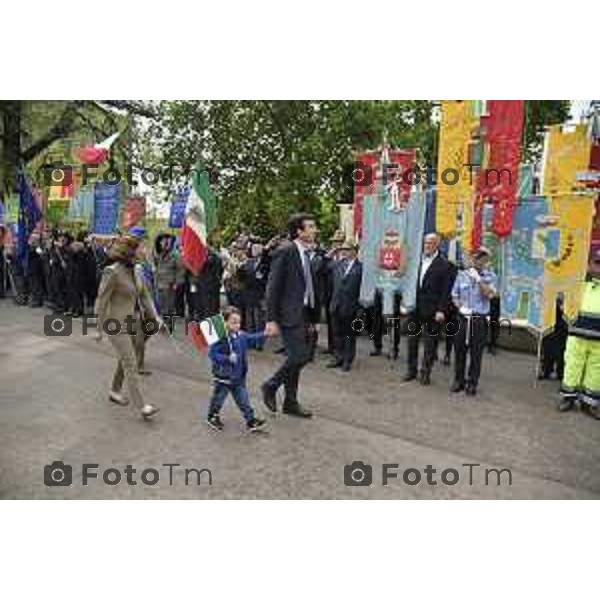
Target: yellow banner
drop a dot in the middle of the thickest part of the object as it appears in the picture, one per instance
(572, 216)
(457, 124)
(567, 153)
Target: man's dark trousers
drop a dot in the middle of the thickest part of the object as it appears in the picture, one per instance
(429, 329)
(470, 338)
(297, 343)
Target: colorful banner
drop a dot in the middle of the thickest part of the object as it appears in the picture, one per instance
(364, 174)
(595, 235)
(57, 211)
(567, 154)
(454, 202)
(106, 208)
(517, 262)
(566, 251)
(82, 205)
(177, 214)
(134, 211)
(503, 133)
(390, 251)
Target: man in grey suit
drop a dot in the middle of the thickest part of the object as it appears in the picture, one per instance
(344, 305)
(292, 310)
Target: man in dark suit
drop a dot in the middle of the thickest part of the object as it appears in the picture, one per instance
(428, 316)
(347, 276)
(292, 310)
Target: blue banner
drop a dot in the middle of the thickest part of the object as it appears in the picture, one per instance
(178, 205)
(106, 208)
(82, 205)
(391, 248)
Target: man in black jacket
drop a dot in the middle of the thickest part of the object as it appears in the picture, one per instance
(347, 277)
(428, 316)
(292, 310)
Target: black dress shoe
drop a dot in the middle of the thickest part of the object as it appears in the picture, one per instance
(279, 350)
(296, 410)
(334, 364)
(425, 379)
(446, 360)
(457, 386)
(409, 377)
(345, 368)
(471, 390)
(375, 353)
(269, 397)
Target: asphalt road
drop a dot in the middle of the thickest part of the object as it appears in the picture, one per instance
(54, 407)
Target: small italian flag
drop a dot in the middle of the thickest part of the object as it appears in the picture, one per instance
(96, 154)
(208, 332)
(200, 220)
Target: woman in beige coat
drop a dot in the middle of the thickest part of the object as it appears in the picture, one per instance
(122, 299)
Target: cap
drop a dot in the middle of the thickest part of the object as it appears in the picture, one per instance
(482, 251)
(338, 236)
(349, 244)
(137, 232)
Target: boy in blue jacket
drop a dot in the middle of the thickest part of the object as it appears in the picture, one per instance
(230, 366)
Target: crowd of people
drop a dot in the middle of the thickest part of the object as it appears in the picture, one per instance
(285, 287)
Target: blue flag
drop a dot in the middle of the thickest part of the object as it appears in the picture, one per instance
(29, 216)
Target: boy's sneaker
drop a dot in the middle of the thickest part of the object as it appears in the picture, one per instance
(215, 422)
(256, 424)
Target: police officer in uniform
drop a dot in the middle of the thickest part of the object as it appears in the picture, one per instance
(472, 291)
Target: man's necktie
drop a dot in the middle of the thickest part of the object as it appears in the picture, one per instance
(310, 292)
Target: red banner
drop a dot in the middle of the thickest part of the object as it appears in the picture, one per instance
(498, 181)
(363, 176)
(368, 166)
(134, 211)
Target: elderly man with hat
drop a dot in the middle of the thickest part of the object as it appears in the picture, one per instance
(344, 305)
(471, 293)
(581, 379)
(122, 302)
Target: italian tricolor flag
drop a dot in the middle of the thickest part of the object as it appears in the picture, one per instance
(208, 332)
(200, 220)
(96, 154)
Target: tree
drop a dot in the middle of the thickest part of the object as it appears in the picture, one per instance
(539, 114)
(277, 157)
(31, 129)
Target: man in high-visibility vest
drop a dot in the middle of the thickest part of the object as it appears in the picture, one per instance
(581, 379)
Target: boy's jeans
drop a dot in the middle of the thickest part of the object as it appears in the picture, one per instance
(239, 393)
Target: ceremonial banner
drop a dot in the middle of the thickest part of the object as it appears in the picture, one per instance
(595, 235)
(567, 252)
(364, 175)
(82, 205)
(519, 266)
(454, 201)
(57, 210)
(391, 248)
(106, 208)
(503, 131)
(567, 153)
(134, 211)
(178, 204)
